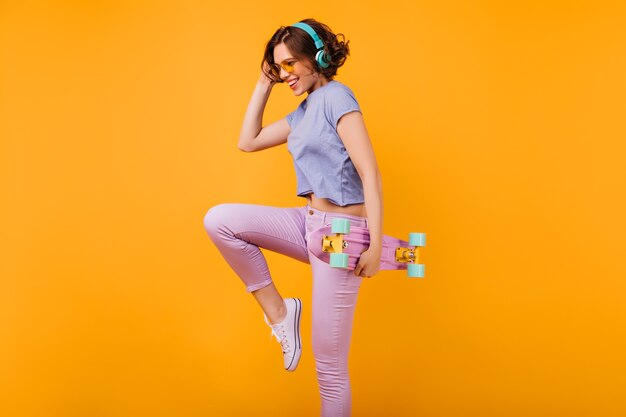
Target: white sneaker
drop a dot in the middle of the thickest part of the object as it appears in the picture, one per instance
(287, 332)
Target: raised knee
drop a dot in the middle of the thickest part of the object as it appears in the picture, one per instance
(215, 218)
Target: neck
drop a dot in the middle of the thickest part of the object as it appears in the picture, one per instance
(319, 83)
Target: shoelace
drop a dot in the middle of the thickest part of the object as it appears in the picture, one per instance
(278, 331)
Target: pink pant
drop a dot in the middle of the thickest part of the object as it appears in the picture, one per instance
(239, 230)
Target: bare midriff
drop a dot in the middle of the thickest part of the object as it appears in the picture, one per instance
(324, 205)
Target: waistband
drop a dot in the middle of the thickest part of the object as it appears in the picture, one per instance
(324, 215)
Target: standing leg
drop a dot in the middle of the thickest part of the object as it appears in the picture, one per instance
(335, 292)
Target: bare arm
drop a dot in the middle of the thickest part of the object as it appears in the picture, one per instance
(253, 137)
(353, 133)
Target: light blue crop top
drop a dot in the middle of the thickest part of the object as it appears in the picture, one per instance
(322, 163)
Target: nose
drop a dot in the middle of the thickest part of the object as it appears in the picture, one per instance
(283, 73)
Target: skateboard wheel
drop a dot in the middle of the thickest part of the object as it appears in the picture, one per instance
(340, 226)
(339, 260)
(415, 270)
(417, 239)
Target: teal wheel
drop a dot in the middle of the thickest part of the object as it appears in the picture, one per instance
(417, 239)
(339, 260)
(415, 270)
(340, 226)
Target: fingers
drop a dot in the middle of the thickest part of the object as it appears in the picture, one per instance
(358, 271)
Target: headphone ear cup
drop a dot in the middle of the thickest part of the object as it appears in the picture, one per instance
(320, 57)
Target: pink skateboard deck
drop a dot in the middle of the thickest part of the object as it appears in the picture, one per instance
(396, 254)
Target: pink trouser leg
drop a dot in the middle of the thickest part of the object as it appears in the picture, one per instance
(335, 292)
(239, 230)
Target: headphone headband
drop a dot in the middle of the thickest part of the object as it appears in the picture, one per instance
(308, 29)
(320, 56)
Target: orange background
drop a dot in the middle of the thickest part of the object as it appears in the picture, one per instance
(499, 131)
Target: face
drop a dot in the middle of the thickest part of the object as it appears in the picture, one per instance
(300, 71)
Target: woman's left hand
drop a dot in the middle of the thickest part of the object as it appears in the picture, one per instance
(368, 264)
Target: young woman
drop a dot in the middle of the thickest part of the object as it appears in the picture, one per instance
(338, 175)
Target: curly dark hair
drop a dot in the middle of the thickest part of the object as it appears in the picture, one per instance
(301, 45)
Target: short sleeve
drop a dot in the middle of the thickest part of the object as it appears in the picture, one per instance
(339, 102)
(289, 117)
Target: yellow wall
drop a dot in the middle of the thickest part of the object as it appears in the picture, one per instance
(499, 131)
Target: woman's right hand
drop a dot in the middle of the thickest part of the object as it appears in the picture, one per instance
(263, 78)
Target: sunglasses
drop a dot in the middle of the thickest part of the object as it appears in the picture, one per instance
(287, 65)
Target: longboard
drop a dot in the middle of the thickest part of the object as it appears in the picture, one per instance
(341, 246)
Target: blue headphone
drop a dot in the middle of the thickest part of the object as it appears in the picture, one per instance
(320, 56)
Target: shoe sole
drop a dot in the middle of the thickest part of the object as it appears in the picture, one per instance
(296, 330)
